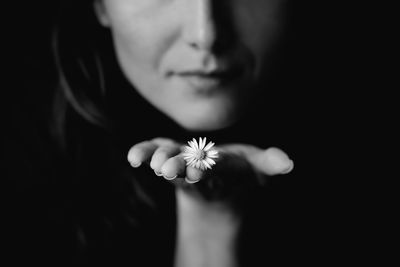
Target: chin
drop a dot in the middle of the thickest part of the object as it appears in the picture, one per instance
(207, 121)
(204, 126)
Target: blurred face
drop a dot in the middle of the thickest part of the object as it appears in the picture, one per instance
(198, 61)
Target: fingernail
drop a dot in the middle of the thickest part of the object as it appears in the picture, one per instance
(288, 169)
(135, 164)
(191, 181)
(158, 173)
(170, 178)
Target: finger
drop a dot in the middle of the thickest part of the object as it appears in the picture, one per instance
(193, 175)
(162, 141)
(141, 152)
(174, 167)
(230, 162)
(161, 155)
(272, 161)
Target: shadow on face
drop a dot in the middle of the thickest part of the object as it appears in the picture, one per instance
(197, 61)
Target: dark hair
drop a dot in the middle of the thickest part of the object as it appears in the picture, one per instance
(85, 60)
(102, 190)
(102, 180)
(79, 43)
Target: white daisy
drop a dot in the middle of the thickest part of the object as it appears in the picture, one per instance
(200, 155)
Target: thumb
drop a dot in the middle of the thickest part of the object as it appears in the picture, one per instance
(271, 161)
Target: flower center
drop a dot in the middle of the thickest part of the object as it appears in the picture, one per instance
(200, 154)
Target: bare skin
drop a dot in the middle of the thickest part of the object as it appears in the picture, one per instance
(208, 226)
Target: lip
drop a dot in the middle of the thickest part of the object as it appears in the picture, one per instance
(201, 79)
(202, 82)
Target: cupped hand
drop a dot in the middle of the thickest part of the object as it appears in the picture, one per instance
(238, 167)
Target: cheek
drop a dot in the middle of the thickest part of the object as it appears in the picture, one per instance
(142, 40)
(259, 25)
(140, 46)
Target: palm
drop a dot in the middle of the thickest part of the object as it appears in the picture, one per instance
(238, 167)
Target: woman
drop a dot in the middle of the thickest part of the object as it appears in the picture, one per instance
(137, 80)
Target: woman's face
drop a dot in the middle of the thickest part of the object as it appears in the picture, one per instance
(198, 61)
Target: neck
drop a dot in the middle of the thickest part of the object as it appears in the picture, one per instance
(206, 234)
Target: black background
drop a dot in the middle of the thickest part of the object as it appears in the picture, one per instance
(334, 44)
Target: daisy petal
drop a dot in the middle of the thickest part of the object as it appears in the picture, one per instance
(198, 164)
(190, 147)
(210, 145)
(212, 154)
(194, 144)
(202, 143)
(203, 166)
(210, 161)
(187, 154)
(190, 162)
(206, 164)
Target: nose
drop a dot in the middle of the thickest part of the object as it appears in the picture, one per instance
(200, 29)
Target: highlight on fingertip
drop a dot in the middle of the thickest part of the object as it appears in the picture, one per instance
(132, 160)
(135, 164)
(170, 178)
(158, 173)
(289, 168)
(191, 181)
